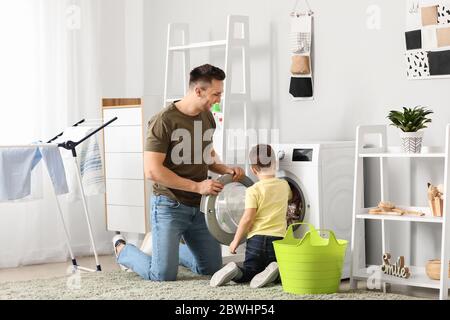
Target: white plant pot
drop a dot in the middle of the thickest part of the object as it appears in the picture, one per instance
(412, 141)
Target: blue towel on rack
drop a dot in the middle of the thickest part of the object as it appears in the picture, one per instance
(16, 165)
(15, 172)
(55, 167)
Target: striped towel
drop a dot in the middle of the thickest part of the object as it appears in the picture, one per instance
(91, 167)
(89, 161)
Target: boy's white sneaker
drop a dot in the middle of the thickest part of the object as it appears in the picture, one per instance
(146, 246)
(117, 239)
(225, 275)
(270, 274)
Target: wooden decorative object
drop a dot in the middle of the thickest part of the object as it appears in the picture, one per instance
(433, 269)
(388, 208)
(435, 200)
(397, 270)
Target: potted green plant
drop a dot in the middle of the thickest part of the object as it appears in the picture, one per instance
(411, 121)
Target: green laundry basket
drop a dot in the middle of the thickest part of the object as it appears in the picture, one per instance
(311, 265)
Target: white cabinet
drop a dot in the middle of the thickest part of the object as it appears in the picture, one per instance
(123, 139)
(116, 169)
(126, 203)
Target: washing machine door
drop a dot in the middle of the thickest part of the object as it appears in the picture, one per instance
(224, 211)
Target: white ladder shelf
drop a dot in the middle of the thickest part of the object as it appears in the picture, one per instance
(359, 269)
(237, 37)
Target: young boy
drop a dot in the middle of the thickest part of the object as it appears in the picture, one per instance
(264, 221)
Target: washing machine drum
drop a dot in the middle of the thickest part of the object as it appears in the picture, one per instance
(224, 211)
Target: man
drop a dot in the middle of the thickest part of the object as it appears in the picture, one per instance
(178, 155)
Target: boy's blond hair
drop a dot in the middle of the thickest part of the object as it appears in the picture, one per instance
(262, 157)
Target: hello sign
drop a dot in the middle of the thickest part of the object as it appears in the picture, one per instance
(397, 270)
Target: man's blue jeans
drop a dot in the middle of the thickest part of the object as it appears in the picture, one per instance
(170, 221)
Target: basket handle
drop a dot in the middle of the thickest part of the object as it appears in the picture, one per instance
(332, 236)
(290, 232)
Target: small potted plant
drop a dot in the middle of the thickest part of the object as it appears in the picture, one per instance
(411, 121)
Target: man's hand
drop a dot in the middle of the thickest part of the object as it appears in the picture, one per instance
(233, 246)
(237, 172)
(209, 187)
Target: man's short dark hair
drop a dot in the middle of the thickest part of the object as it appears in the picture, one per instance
(206, 73)
(262, 156)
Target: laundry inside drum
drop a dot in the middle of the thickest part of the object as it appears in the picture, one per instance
(230, 206)
(296, 206)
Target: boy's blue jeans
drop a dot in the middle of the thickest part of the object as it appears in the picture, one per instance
(258, 255)
(170, 221)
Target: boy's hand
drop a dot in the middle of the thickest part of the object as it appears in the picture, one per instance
(233, 246)
(237, 172)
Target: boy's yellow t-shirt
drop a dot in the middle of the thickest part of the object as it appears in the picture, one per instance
(270, 199)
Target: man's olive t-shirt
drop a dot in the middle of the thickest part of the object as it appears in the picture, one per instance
(165, 134)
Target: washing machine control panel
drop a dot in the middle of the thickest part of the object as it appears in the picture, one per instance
(302, 155)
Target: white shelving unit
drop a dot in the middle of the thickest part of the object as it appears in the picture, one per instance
(237, 38)
(359, 269)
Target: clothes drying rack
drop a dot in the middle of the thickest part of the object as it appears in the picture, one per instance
(71, 146)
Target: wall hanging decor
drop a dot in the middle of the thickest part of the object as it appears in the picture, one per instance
(427, 39)
(397, 270)
(301, 84)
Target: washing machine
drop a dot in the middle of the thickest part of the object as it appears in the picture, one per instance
(321, 179)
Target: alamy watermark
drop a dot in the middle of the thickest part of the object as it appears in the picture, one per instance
(74, 280)
(73, 17)
(373, 21)
(191, 150)
(374, 279)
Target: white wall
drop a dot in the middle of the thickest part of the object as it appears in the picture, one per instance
(359, 73)
(122, 48)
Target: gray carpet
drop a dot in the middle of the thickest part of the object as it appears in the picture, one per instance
(123, 285)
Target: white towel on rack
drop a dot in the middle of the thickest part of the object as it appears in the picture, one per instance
(91, 167)
(89, 161)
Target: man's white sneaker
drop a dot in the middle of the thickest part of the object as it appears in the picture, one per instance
(270, 274)
(225, 275)
(146, 246)
(117, 239)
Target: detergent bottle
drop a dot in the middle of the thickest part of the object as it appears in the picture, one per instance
(218, 116)
(218, 134)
